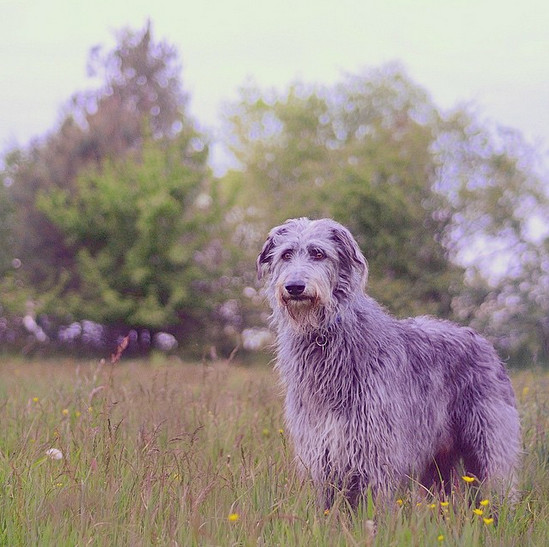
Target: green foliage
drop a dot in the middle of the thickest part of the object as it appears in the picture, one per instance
(133, 227)
(499, 230)
(113, 216)
(112, 209)
(142, 92)
(13, 294)
(6, 229)
(359, 152)
(445, 207)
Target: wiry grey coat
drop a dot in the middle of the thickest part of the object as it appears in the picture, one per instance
(372, 401)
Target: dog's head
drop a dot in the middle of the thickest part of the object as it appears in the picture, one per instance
(311, 267)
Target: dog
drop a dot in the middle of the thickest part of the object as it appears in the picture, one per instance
(372, 401)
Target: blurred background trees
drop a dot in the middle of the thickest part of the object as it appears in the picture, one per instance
(116, 217)
(450, 213)
(360, 153)
(132, 229)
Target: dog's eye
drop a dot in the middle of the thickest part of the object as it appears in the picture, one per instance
(287, 255)
(317, 254)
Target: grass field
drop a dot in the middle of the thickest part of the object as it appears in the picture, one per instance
(167, 453)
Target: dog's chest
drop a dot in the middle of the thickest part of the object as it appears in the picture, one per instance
(323, 381)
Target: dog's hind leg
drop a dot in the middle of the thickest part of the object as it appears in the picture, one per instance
(490, 444)
(439, 475)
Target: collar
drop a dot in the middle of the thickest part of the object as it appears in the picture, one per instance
(323, 336)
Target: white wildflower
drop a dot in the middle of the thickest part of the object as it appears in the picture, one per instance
(54, 454)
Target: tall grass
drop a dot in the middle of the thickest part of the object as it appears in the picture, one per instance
(168, 453)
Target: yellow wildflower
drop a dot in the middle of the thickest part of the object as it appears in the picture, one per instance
(400, 502)
(444, 503)
(233, 517)
(488, 520)
(478, 511)
(432, 505)
(35, 399)
(441, 537)
(65, 412)
(326, 512)
(468, 479)
(484, 503)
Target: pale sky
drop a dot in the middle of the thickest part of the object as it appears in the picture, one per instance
(494, 53)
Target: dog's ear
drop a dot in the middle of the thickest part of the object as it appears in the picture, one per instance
(265, 258)
(351, 259)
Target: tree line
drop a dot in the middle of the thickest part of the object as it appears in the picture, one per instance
(115, 216)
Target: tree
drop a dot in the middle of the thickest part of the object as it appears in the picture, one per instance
(133, 228)
(113, 217)
(141, 82)
(443, 205)
(358, 152)
(141, 93)
(6, 228)
(499, 230)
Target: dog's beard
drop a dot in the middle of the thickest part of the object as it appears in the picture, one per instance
(304, 313)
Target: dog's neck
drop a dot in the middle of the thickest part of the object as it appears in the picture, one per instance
(318, 332)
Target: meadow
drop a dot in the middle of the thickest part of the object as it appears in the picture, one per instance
(162, 452)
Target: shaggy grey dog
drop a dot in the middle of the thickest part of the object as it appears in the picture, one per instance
(372, 401)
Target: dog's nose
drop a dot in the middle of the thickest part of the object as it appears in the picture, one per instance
(295, 288)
